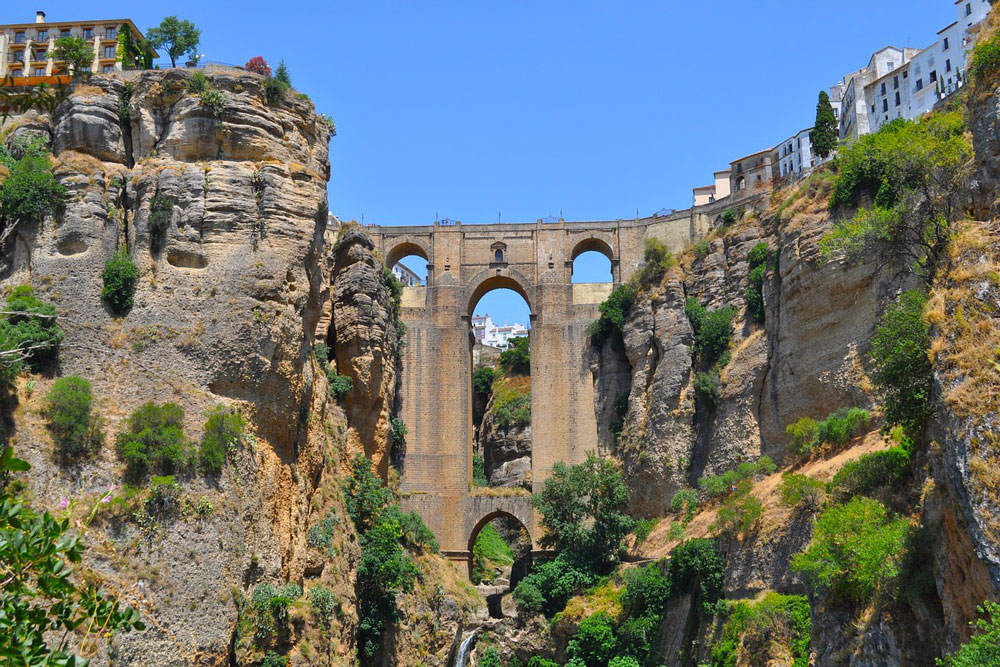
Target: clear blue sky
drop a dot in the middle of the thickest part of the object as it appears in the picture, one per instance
(465, 109)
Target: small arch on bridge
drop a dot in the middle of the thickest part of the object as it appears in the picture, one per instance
(405, 249)
(589, 260)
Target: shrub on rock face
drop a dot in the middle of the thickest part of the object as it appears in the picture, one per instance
(153, 439)
(30, 192)
(75, 430)
(223, 434)
(28, 333)
(120, 278)
(856, 551)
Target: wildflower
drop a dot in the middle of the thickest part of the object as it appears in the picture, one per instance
(64, 503)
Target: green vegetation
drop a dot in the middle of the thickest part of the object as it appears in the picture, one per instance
(43, 594)
(511, 405)
(825, 133)
(647, 590)
(177, 37)
(706, 387)
(903, 374)
(594, 643)
(488, 552)
(337, 385)
(479, 470)
(718, 485)
(685, 504)
(29, 193)
(801, 491)
(657, 260)
(887, 469)
(730, 216)
(754, 293)
(161, 209)
(643, 527)
(269, 605)
(905, 159)
(397, 429)
(551, 584)
(701, 249)
(614, 311)
(985, 59)
(76, 430)
(324, 604)
(489, 658)
(121, 276)
(320, 535)
(213, 101)
(75, 52)
(29, 334)
(698, 563)
(583, 511)
(198, 83)
(983, 648)
(837, 430)
(740, 512)
(856, 551)
(516, 360)
(224, 433)
(583, 517)
(482, 381)
(153, 440)
(385, 569)
(713, 329)
(780, 619)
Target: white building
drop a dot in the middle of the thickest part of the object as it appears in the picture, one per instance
(488, 333)
(406, 276)
(855, 116)
(908, 83)
(794, 156)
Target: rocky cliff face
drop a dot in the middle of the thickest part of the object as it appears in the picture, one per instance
(226, 310)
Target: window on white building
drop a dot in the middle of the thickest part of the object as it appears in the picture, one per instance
(947, 65)
(885, 105)
(897, 99)
(968, 9)
(945, 46)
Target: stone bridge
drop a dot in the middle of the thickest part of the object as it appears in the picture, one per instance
(464, 262)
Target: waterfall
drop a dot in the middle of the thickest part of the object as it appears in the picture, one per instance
(462, 657)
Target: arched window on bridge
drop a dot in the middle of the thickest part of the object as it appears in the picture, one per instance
(592, 267)
(500, 365)
(592, 262)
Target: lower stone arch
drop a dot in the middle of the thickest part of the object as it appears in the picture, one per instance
(522, 565)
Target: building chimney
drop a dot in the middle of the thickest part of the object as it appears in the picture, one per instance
(39, 17)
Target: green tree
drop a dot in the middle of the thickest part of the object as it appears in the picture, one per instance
(903, 373)
(76, 52)
(224, 431)
(176, 36)
(120, 278)
(75, 429)
(583, 510)
(594, 643)
(30, 193)
(153, 438)
(824, 134)
(516, 360)
(855, 552)
(29, 333)
(42, 598)
(983, 648)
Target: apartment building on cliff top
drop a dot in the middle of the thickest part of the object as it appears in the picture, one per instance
(26, 48)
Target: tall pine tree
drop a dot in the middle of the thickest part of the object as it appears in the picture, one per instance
(824, 134)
